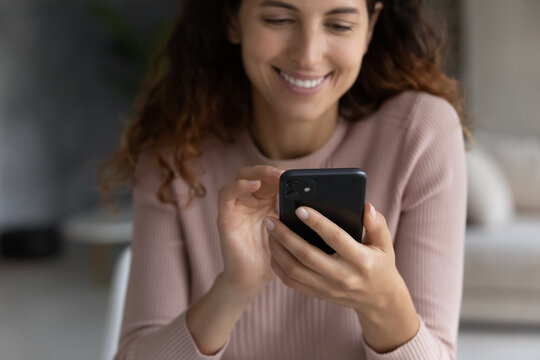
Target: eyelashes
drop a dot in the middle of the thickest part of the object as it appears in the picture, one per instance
(336, 27)
(340, 28)
(278, 21)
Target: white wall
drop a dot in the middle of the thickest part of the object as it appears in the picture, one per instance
(502, 64)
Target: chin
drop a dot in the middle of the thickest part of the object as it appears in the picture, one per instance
(305, 112)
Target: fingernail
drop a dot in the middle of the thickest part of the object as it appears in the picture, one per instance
(253, 182)
(302, 213)
(269, 225)
(372, 212)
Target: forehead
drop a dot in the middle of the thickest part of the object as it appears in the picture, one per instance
(307, 5)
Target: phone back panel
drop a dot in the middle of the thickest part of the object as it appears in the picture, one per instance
(338, 194)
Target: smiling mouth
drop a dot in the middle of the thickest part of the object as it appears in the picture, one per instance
(304, 84)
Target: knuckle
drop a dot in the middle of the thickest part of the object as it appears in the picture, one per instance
(266, 169)
(337, 235)
(294, 272)
(338, 294)
(368, 265)
(289, 268)
(258, 170)
(349, 283)
(342, 294)
(246, 172)
(305, 257)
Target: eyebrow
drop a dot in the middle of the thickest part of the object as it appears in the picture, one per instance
(273, 3)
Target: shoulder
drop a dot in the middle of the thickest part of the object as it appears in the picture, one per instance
(419, 114)
(151, 163)
(163, 162)
(158, 171)
(155, 175)
(410, 119)
(432, 137)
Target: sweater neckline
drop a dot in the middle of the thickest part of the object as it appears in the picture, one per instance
(315, 159)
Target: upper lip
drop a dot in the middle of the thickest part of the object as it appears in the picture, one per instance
(300, 76)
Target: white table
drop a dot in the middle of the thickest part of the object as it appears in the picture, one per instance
(100, 228)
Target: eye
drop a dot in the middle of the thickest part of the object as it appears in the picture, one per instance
(278, 22)
(339, 28)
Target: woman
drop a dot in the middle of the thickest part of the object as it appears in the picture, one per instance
(251, 88)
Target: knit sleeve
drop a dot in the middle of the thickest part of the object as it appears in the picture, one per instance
(430, 235)
(154, 324)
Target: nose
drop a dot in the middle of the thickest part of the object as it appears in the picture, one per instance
(308, 47)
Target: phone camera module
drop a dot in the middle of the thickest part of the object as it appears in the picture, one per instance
(292, 184)
(293, 194)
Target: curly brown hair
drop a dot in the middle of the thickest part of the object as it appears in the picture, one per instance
(186, 95)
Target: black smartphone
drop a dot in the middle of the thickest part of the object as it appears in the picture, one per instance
(338, 194)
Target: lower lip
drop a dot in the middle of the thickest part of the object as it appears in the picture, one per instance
(302, 91)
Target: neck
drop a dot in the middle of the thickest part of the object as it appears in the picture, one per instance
(282, 137)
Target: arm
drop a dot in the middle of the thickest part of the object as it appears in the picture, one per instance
(157, 321)
(154, 324)
(430, 236)
(407, 297)
(212, 319)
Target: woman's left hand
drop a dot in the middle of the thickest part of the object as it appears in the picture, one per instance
(362, 276)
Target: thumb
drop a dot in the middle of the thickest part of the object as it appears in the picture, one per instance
(377, 233)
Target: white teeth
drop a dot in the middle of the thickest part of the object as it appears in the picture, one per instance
(306, 84)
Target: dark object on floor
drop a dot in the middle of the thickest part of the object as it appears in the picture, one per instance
(30, 243)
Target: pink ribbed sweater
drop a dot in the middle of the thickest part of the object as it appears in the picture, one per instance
(413, 152)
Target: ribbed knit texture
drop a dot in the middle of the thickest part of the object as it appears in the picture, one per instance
(413, 153)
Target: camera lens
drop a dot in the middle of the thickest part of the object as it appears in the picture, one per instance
(293, 194)
(292, 184)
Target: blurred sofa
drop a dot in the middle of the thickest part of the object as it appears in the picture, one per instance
(502, 246)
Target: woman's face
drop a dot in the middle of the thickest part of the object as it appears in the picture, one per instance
(301, 56)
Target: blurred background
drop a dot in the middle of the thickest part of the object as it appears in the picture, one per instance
(69, 70)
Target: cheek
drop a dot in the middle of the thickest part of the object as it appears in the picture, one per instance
(258, 52)
(348, 70)
(347, 58)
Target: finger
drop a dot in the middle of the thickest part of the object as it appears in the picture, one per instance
(377, 233)
(293, 267)
(269, 176)
(337, 238)
(259, 172)
(238, 188)
(307, 254)
(292, 283)
(228, 194)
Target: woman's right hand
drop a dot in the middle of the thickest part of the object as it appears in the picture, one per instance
(243, 205)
